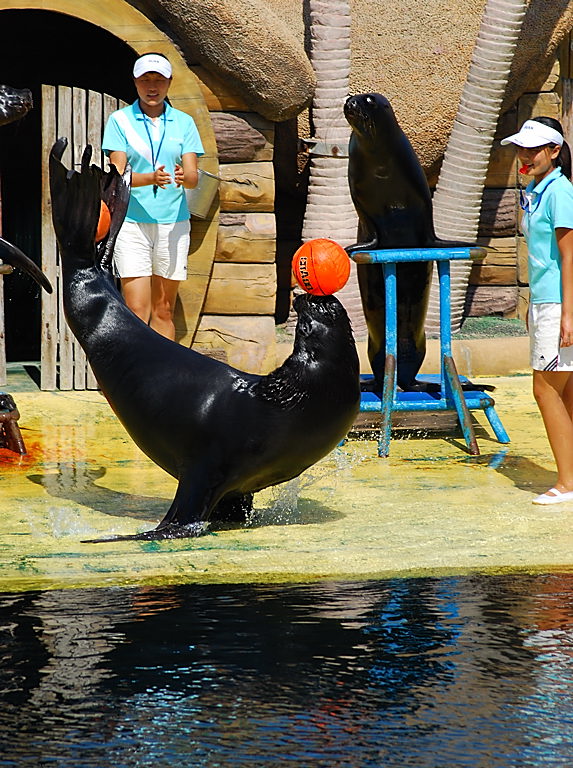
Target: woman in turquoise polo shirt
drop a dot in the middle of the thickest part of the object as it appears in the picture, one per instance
(161, 144)
(547, 224)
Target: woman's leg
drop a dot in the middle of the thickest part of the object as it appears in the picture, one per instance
(133, 262)
(137, 294)
(169, 268)
(568, 397)
(163, 298)
(553, 392)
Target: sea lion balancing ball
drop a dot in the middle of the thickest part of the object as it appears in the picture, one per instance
(104, 222)
(321, 266)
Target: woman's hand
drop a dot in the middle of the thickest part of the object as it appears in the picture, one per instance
(179, 175)
(161, 178)
(186, 172)
(566, 329)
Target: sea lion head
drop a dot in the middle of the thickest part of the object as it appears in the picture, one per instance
(323, 326)
(324, 357)
(14, 103)
(370, 115)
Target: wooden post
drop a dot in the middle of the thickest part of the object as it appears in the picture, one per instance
(49, 337)
(566, 89)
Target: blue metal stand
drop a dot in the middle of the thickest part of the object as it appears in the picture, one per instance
(450, 396)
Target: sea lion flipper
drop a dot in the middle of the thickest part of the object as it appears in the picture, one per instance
(115, 194)
(75, 203)
(371, 245)
(14, 256)
(186, 518)
(86, 157)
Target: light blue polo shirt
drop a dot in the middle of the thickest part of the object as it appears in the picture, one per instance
(164, 142)
(550, 206)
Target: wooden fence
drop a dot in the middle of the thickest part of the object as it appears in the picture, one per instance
(80, 116)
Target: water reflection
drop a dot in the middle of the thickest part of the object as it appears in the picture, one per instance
(473, 671)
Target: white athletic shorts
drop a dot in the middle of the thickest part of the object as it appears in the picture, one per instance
(544, 333)
(143, 249)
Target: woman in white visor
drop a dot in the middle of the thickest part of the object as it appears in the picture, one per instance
(161, 144)
(547, 224)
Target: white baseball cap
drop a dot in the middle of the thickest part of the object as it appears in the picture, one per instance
(152, 62)
(534, 134)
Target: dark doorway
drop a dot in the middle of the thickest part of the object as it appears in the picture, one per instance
(52, 48)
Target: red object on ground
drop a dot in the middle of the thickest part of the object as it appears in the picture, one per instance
(321, 266)
(104, 222)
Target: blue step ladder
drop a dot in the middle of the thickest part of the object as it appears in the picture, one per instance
(450, 396)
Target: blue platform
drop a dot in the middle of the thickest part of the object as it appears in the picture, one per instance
(448, 394)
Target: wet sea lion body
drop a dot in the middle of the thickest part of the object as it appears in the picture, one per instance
(224, 434)
(14, 103)
(393, 201)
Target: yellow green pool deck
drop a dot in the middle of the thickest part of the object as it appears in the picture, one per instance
(428, 509)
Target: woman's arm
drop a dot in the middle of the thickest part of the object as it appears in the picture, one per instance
(160, 178)
(565, 243)
(186, 174)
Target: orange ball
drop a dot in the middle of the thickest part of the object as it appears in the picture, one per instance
(321, 266)
(104, 222)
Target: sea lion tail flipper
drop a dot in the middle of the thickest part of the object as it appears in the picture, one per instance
(75, 203)
(9, 254)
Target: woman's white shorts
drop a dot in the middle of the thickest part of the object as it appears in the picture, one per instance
(544, 335)
(143, 249)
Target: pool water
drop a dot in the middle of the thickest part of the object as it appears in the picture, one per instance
(464, 671)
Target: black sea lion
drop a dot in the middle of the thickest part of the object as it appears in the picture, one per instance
(14, 103)
(393, 201)
(222, 433)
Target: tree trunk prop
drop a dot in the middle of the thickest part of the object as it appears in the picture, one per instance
(329, 210)
(460, 185)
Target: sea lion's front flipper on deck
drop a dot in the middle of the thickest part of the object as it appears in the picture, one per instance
(188, 515)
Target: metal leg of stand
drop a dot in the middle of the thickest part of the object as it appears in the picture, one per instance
(390, 372)
(462, 409)
(496, 424)
(388, 393)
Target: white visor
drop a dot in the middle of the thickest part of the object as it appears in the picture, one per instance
(152, 62)
(534, 134)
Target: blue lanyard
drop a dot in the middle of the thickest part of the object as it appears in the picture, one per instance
(154, 157)
(526, 205)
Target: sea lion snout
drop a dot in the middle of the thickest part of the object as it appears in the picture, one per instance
(362, 109)
(327, 309)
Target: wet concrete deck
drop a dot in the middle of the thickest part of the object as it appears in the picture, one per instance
(430, 508)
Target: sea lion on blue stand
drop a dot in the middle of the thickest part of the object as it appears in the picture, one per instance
(224, 434)
(392, 198)
(14, 103)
